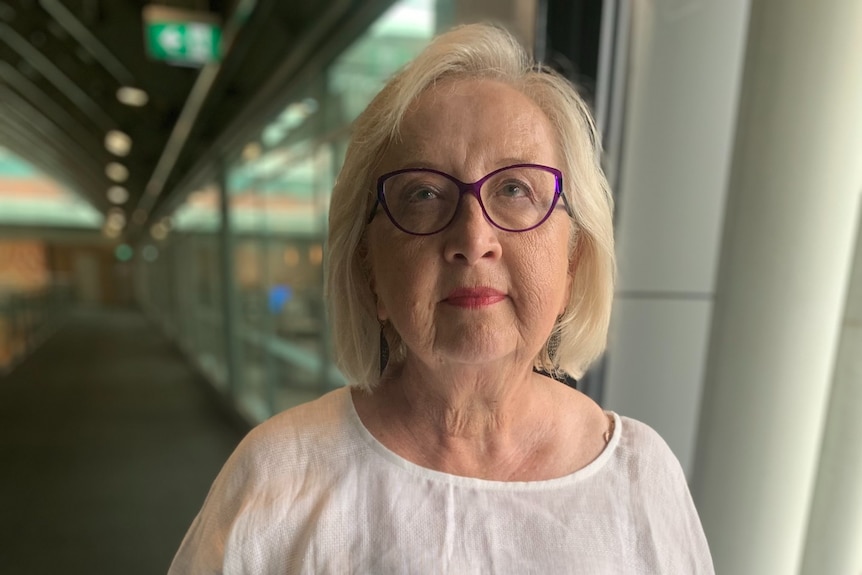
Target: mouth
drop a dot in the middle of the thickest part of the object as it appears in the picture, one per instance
(473, 298)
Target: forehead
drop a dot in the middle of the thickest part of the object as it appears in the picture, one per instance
(472, 125)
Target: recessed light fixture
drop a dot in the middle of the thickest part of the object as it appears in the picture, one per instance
(132, 96)
(116, 218)
(150, 253)
(159, 231)
(118, 143)
(118, 195)
(251, 151)
(117, 172)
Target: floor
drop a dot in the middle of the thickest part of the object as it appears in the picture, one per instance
(109, 441)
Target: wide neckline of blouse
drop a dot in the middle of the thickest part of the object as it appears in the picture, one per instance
(440, 476)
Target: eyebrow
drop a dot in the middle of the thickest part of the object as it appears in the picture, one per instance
(503, 162)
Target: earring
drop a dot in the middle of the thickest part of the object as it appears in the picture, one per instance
(384, 350)
(553, 345)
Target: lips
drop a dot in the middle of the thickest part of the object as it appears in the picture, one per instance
(472, 298)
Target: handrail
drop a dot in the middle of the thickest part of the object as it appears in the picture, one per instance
(27, 318)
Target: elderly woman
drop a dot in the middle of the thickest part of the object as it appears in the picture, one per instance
(470, 253)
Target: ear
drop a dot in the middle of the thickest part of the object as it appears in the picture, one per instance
(368, 271)
(382, 314)
(568, 296)
(570, 278)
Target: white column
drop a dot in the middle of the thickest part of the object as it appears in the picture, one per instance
(685, 72)
(834, 542)
(786, 250)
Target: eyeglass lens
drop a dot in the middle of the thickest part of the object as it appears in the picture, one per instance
(515, 199)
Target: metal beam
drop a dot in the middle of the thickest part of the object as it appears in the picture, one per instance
(54, 75)
(46, 106)
(88, 41)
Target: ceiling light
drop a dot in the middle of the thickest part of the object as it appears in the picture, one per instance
(118, 195)
(132, 96)
(159, 231)
(116, 218)
(150, 253)
(251, 151)
(117, 172)
(118, 143)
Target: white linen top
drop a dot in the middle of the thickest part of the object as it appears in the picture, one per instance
(312, 491)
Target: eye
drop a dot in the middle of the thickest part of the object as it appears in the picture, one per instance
(420, 194)
(514, 189)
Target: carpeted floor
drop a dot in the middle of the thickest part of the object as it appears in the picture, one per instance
(109, 442)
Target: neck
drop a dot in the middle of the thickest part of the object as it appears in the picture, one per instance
(480, 423)
(500, 424)
(460, 401)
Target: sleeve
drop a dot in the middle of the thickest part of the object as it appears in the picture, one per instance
(202, 551)
(670, 530)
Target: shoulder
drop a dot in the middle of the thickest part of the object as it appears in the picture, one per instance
(275, 455)
(641, 442)
(287, 445)
(322, 412)
(643, 460)
(290, 436)
(652, 481)
(260, 482)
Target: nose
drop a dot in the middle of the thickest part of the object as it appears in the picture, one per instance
(471, 237)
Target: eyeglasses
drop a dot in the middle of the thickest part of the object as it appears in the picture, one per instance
(422, 201)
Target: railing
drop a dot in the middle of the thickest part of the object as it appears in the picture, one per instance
(27, 318)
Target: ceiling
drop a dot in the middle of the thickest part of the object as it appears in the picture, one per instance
(63, 61)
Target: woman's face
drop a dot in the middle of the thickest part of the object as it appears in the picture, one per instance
(472, 293)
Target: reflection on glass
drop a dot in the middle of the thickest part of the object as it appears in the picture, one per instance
(278, 187)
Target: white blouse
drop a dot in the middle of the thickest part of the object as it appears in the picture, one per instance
(312, 491)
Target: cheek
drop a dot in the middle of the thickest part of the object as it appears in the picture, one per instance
(545, 273)
(400, 276)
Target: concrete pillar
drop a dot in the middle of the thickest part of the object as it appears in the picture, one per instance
(685, 75)
(783, 276)
(834, 542)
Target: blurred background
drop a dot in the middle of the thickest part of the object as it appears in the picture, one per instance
(165, 176)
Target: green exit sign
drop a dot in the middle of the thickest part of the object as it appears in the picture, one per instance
(181, 37)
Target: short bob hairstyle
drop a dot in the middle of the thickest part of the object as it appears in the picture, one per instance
(472, 51)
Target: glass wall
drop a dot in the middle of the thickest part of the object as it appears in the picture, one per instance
(32, 302)
(244, 294)
(179, 281)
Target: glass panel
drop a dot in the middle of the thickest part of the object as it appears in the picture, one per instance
(361, 70)
(28, 298)
(182, 280)
(278, 188)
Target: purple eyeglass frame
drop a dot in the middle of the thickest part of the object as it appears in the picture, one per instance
(470, 188)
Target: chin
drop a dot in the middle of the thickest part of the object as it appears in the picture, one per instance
(474, 352)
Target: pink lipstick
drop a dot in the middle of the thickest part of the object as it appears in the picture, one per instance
(476, 297)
